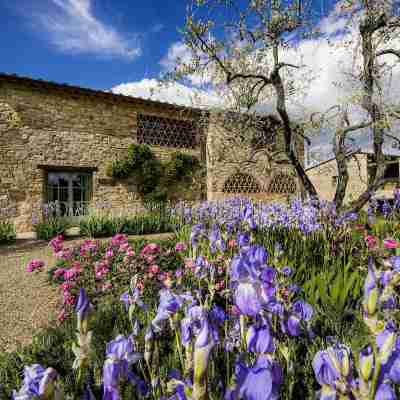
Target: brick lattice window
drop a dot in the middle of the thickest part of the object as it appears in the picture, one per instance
(168, 132)
(241, 183)
(282, 183)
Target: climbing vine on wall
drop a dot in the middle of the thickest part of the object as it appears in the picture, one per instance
(158, 181)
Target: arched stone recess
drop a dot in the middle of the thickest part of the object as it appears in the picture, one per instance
(283, 183)
(241, 183)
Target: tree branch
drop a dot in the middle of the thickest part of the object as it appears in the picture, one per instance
(388, 51)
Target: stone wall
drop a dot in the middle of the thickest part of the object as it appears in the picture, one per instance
(228, 155)
(323, 175)
(45, 126)
(49, 125)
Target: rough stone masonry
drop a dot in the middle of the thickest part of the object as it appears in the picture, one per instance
(47, 127)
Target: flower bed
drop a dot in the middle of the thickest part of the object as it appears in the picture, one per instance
(248, 302)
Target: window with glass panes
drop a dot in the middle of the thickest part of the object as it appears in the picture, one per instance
(70, 192)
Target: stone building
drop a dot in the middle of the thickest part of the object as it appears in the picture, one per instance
(56, 142)
(360, 165)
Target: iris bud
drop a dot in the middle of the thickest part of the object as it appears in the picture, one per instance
(372, 301)
(387, 347)
(366, 364)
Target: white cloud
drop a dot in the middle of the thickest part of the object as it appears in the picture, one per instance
(73, 27)
(173, 93)
(179, 52)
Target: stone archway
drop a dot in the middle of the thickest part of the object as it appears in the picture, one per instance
(241, 183)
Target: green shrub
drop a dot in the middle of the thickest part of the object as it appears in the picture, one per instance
(51, 227)
(156, 181)
(7, 232)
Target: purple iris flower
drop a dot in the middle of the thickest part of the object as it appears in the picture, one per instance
(248, 299)
(386, 277)
(259, 339)
(129, 300)
(370, 281)
(275, 307)
(201, 325)
(287, 271)
(395, 260)
(268, 275)
(257, 256)
(391, 370)
(324, 369)
(258, 382)
(243, 239)
(385, 392)
(35, 383)
(83, 306)
(215, 237)
(300, 311)
(196, 233)
(303, 310)
(169, 305)
(120, 355)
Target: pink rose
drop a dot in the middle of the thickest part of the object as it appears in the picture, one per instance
(390, 244)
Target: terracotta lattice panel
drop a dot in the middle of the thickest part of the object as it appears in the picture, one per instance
(241, 183)
(282, 183)
(168, 132)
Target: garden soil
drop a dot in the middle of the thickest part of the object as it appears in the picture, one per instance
(27, 301)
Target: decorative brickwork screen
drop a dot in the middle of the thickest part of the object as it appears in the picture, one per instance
(241, 183)
(168, 132)
(282, 183)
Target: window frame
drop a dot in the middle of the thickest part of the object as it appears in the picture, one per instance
(70, 206)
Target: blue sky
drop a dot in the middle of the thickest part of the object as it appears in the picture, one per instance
(91, 43)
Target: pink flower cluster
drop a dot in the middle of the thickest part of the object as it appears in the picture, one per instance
(372, 241)
(88, 247)
(151, 248)
(57, 243)
(180, 246)
(390, 244)
(34, 265)
(64, 254)
(68, 297)
(101, 268)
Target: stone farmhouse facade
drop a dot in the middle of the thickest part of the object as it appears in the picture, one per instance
(360, 164)
(56, 142)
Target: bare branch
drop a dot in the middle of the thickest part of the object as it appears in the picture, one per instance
(388, 51)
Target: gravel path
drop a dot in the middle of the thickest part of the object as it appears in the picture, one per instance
(27, 301)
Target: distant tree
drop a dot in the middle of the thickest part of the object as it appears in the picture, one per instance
(237, 46)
